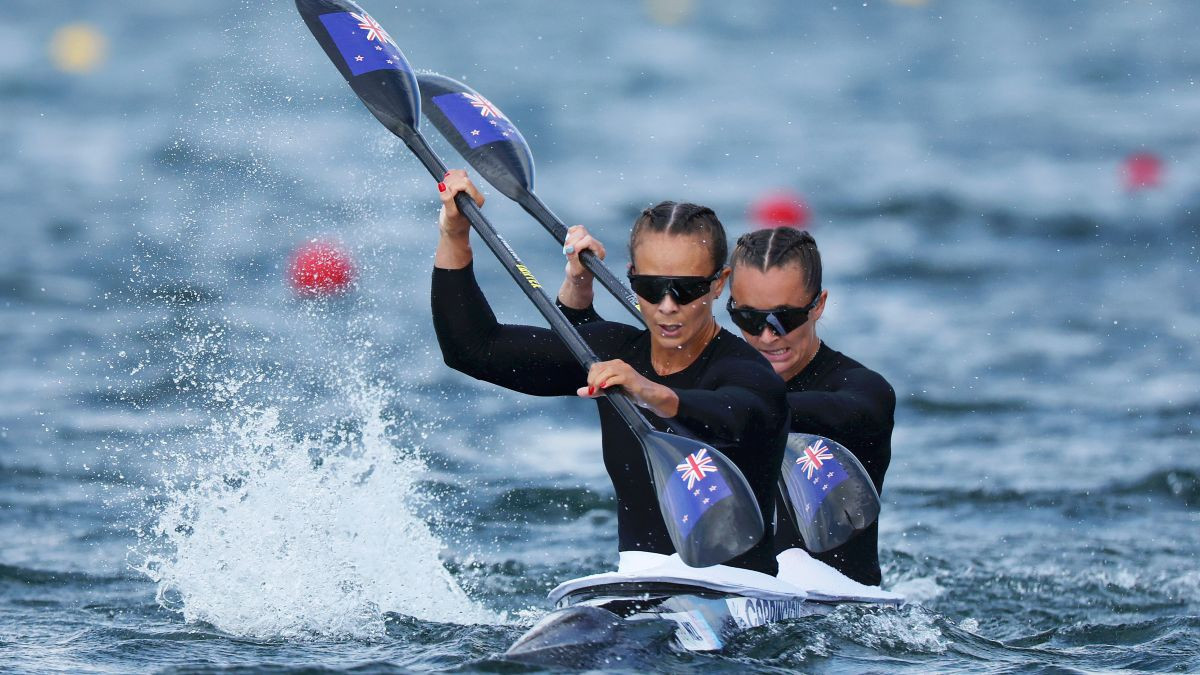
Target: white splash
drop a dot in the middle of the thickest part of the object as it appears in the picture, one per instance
(276, 537)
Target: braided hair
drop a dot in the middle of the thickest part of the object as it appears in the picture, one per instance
(778, 247)
(682, 218)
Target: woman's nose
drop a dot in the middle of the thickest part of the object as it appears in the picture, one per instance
(668, 304)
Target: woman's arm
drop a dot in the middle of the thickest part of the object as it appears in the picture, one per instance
(747, 399)
(523, 358)
(576, 291)
(864, 399)
(576, 294)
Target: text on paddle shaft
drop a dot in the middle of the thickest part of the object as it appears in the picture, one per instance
(528, 276)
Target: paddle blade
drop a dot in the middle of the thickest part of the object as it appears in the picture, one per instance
(831, 495)
(709, 509)
(368, 58)
(480, 133)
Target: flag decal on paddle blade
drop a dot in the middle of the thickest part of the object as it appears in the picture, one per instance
(696, 467)
(822, 473)
(364, 44)
(814, 457)
(700, 488)
(476, 119)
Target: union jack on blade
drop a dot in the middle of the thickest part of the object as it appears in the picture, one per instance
(814, 456)
(486, 109)
(374, 30)
(697, 466)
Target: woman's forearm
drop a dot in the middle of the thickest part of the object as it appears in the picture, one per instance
(453, 250)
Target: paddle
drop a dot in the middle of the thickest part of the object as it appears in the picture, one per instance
(831, 496)
(707, 505)
(496, 149)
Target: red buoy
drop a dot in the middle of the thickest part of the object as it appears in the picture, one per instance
(1142, 170)
(780, 209)
(319, 269)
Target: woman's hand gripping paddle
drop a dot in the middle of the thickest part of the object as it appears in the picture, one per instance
(830, 494)
(707, 505)
(496, 149)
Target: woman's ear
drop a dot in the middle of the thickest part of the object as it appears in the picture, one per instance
(721, 281)
(820, 308)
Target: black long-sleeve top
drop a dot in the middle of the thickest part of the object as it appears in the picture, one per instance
(729, 398)
(842, 400)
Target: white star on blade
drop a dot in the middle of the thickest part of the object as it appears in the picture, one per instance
(705, 500)
(712, 488)
(474, 132)
(358, 58)
(685, 519)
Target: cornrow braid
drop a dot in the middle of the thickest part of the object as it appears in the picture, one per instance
(778, 247)
(683, 218)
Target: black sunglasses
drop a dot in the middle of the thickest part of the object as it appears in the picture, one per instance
(783, 320)
(685, 290)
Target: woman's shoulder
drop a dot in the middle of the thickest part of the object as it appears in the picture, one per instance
(849, 370)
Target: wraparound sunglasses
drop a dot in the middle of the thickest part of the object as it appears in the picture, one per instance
(782, 320)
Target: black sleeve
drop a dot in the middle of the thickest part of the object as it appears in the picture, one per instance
(863, 399)
(579, 317)
(527, 359)
(743, 396)
(859, 414)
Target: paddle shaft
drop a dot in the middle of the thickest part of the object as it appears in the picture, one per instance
(525, 279)
(534, 207)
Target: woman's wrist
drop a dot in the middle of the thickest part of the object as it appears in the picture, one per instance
(661, 400)
(576, 294)
(453, 250)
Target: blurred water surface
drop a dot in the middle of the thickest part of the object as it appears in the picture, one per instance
(199, 471)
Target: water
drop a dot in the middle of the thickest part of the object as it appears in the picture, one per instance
(199, 471)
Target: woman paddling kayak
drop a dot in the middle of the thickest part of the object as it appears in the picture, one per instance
(776, 299)
(689, 374)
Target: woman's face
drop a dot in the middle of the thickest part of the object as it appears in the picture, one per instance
(675, 326)
(775, 288)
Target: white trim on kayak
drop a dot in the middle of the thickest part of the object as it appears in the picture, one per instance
(801, 577)
(823, 583)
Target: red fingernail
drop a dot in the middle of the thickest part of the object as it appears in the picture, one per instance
(591, 390)
(441, 187)
(604, 384)
(446, 175)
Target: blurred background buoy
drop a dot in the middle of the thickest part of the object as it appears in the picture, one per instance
(1141, 171)
(670, 12)
(781, 208)
(78, 48)
(320, 269)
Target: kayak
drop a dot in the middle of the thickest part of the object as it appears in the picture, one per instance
(653, 596)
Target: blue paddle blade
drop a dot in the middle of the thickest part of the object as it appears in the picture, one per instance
(708, 507)
(482, 134)
(831, 496)
(368, 58)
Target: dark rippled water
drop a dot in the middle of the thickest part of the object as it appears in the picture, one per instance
(199, 471)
